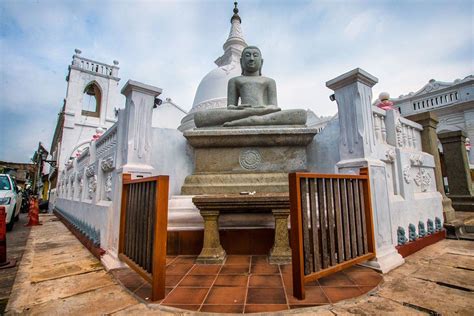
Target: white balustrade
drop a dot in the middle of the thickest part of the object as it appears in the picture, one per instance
(379, 125)
(436, 100)
(93, 66)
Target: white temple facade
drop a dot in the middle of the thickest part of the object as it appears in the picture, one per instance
(453, 103)
(92, 97)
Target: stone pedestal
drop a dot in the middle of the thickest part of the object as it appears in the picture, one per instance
(281, 251)
(233, 160)
(212, 251)
(429, 144)
(211, 206)
(353, 93)
(457, 168)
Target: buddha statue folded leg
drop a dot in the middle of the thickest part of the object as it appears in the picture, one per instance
(217, 117)
(287, 117)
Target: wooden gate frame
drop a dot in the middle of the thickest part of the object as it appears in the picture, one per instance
(296, 235)
(158, 275)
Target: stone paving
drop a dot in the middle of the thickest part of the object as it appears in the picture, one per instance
(16, 242)
(57, 275)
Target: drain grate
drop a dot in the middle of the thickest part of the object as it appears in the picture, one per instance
(422, 309)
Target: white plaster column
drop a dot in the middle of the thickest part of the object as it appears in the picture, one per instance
(133, 156)
(353, 93)
(138, 114)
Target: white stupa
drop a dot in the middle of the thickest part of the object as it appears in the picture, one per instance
(212, 90)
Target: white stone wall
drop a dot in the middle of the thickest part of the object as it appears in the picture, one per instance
(323, 152)
(171, 155)
(167, 115)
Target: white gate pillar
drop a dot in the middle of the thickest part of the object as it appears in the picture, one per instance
(353, 93)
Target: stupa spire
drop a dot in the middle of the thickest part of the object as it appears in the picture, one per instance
(235, 43)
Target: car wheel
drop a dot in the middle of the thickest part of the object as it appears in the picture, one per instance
(17, 217)
(10, 225)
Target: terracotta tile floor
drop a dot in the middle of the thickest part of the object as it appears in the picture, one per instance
(245, 284)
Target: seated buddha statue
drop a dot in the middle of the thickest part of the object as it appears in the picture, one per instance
(258, 99)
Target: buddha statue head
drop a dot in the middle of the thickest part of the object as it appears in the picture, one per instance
(251, 61)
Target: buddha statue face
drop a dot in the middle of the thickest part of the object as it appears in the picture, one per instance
(251, 61)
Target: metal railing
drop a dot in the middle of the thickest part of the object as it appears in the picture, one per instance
(143, 229)
(331, 224)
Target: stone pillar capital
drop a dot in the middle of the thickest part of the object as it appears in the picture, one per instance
(452, 137)
(135, 86)
(353, 76)
(426, 119)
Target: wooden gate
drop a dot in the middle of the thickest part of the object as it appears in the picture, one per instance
(143, 229)
(331, 224)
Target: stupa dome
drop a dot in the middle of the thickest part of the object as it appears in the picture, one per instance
(212, 90)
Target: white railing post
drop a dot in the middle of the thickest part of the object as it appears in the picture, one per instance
(353, 93)
(137, 128)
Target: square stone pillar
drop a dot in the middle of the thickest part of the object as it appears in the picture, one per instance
(353, 93)
(133, 155)
(429, 144)
(457, 168)
(136, 154)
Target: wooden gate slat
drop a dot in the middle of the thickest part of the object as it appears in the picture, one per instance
(360, 242)
(345, 221)
(362, 212)
(352, 219)
(331, 224)
(323, 224)
(338, 215)
(314, 225)
(308, 262)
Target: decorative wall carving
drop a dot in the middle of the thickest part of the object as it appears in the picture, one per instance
(406, 174)
(81, 185)
(423, 179)
(389, 156)
(92, 186)
(250, 159)
(90, 171)
(416, 160)
(399, 130)
(107, 164)
(108, 187)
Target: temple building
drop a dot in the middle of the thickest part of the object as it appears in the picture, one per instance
(452, 102)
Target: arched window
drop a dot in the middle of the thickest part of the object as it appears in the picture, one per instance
(91, 100)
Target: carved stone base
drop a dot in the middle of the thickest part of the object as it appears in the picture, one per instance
(448, 210)
(386, 260)
(212, 251)
(111, 261)
(215, 255)
(281, 251)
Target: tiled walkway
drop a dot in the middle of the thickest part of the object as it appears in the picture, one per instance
(246, 284)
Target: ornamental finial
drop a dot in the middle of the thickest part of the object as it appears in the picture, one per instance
(236, 13)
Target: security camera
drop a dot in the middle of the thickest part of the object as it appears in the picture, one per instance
(332, 97)
(158, 102)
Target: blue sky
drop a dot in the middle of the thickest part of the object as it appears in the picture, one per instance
(172, 45)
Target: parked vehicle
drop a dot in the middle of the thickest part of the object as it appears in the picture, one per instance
(25, 201)
(10, 198)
